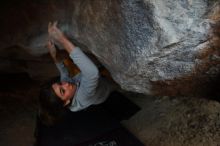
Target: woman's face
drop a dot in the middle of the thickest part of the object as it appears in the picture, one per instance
(65, 91)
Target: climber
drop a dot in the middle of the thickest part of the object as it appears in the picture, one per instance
(75, 93)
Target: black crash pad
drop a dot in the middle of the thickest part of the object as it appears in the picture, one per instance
(96, 126)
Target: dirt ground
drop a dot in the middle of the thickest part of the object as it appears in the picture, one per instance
(183, 121)
(163, 121)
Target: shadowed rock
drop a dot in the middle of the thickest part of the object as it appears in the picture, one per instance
(145, 44)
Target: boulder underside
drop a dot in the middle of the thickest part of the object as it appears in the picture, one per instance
(160, 47)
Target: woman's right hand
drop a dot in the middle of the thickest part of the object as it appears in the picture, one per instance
(54, 32)
(58, 37)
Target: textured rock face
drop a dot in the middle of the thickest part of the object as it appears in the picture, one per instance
(141, 42)
(23, 33)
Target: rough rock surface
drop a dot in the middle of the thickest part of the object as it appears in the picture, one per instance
(175, 121)
(145, 44)
(142, 42)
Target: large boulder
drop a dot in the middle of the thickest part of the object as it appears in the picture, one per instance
(149, 46)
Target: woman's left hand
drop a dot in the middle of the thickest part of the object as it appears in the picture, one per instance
(52, 49)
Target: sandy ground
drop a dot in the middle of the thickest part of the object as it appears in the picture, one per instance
(163, 121)
(183, 121)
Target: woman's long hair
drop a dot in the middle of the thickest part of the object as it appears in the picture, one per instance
(51, 107)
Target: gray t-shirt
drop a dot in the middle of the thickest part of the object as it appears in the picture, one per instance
(91, 88)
